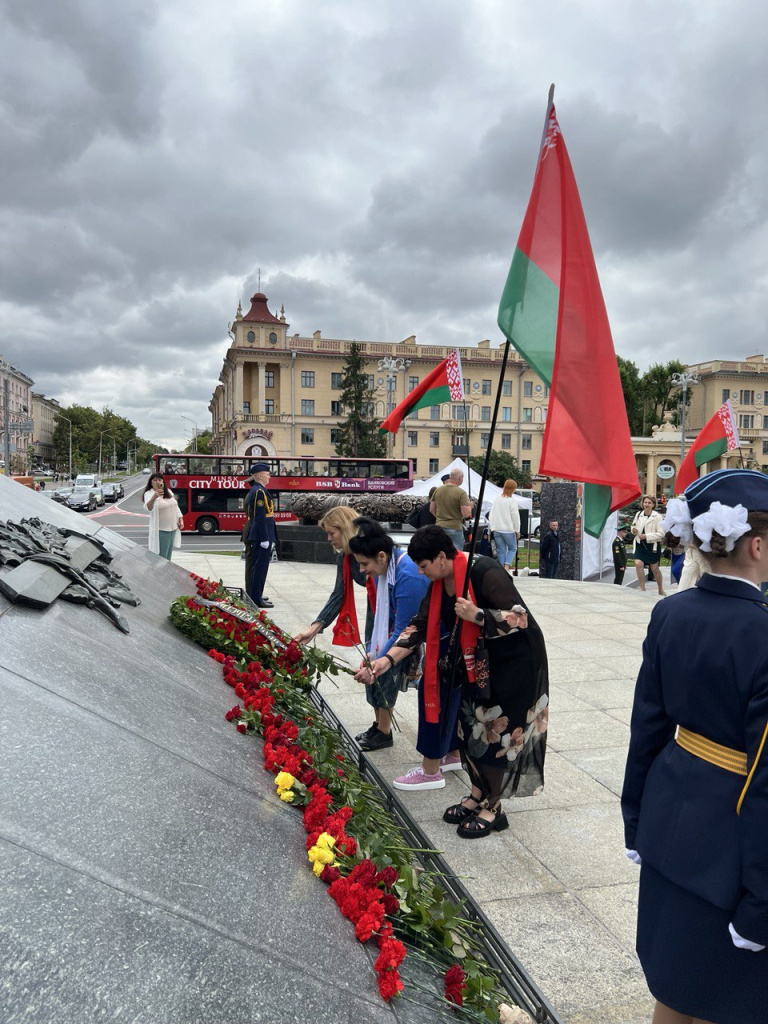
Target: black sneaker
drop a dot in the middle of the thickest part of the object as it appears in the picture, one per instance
(377, 741)
(365, 735)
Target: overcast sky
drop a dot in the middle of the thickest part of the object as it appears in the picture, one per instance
(375, 160)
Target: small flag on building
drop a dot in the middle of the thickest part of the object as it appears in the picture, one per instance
(443, 384)
(718, 436)
(552, 311)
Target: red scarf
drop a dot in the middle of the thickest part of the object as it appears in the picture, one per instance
(469, 633)
(346, 632)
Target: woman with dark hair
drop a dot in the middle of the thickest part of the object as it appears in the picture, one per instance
(397, 595)
(504, 712)
(648, 534)
(695, 797)
(165, 519)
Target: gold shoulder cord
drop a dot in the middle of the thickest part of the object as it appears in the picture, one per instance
(752, 770)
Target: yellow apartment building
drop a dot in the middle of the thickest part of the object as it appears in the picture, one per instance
(279, 396)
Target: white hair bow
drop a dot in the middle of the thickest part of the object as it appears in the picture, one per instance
(730, 522)
(677, 520)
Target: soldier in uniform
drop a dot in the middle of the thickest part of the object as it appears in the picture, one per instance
(619, 550)
(262, 534)
(695, 797)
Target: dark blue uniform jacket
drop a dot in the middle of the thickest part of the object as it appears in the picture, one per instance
(705, 667)
(263, 523)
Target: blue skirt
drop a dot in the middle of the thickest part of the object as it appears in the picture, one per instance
(690, 963)
(435, 739)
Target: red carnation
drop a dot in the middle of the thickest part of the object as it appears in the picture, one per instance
(391, 903)
(329, 874)
(242, 727)
(454, 985)
(389, 985)
(387, 877)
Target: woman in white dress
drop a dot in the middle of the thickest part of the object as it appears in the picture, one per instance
(165, 519)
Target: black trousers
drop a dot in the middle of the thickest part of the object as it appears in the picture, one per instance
(618, 577)
(261, 559)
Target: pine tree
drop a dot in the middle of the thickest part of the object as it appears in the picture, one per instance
(358, 433)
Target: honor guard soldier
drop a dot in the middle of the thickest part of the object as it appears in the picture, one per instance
(262, 534)
(619, 551)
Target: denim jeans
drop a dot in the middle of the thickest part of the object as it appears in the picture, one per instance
(457, 536)
(506, 547)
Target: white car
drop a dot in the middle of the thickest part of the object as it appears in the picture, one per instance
(146, 471)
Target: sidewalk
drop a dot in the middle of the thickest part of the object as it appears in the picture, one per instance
(556, 884)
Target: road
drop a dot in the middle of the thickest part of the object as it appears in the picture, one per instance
(128, 518)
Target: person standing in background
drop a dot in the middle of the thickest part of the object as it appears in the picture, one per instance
(262, 534)
(550, 550)
(247, 550)
(165, 521)
(505, 523)
(450, 505)
(619, 552)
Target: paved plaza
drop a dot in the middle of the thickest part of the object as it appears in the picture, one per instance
(556, 884)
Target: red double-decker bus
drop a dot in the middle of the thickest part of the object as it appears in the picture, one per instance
(211, 489)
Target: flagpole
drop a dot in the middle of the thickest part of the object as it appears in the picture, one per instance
(550, 104)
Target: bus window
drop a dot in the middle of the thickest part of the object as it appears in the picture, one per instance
(203, 467)
(218, 501)
(181, 500)
(381, 469)
(175, 464)
(233, 467)
(401, 471)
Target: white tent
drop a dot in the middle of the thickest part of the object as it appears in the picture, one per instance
(471, 486)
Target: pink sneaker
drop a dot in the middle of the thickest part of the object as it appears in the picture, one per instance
(417, 779)
(450, 763)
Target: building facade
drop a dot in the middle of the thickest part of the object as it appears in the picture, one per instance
(279, 396)
(15, 416)
(44, 412)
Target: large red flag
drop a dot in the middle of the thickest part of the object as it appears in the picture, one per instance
(552, 311)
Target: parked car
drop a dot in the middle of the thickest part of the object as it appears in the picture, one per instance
(122, 465)
(83, 499)
(61, 494)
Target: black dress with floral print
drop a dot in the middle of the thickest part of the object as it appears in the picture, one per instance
(502, 737)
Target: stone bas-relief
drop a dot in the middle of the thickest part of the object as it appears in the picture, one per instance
(40, 563)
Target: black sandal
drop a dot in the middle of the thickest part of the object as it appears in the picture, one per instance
(457, 813)
(476, 827)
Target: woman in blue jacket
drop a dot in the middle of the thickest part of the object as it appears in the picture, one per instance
(695, 798)
(398, 594)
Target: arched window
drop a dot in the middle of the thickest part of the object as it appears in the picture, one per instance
(273, 338)
(251, 336)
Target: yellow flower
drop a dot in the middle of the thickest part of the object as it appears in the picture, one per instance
(322, 852)
(286, 795)
(284, 781)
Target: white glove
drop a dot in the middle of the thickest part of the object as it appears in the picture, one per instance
(265, 544)
(634, 856)
(741, 943)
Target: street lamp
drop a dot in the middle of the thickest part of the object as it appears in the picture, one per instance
(393, 366)
(684, 380)
(135, 444)
(69, 421)
(101, 435)
(190, 420)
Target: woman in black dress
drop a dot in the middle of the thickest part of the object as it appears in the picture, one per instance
(501, 725)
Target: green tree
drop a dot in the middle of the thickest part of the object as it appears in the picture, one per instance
(660, 395)
(632, 387)
(203, 446)
(501, 466)
(358, 432)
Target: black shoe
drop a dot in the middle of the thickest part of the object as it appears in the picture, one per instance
(363, 736)
(264, 603)
(377, 740)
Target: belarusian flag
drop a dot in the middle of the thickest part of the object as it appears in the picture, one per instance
(444, 384)
(718, 436)
(552, 311)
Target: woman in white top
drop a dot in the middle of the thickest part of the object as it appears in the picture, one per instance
(165, 519)
(648, 533)
(505, 523)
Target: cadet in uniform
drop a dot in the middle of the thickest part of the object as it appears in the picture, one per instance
(262, 534)
(695, 798)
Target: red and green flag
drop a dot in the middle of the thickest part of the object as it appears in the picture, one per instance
(718, 436)
(444, 384)
(552, 311)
